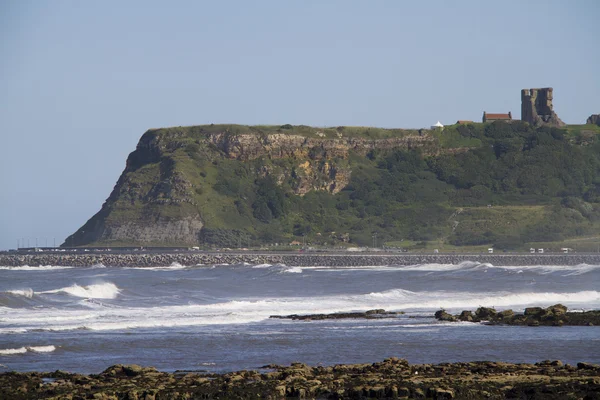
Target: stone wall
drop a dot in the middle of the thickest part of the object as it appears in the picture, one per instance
(537, 108)
(290, 259)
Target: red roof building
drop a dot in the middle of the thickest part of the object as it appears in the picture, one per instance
(489, 117)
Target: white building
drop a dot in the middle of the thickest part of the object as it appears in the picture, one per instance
(439, 126)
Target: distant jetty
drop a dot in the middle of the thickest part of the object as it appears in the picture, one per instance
(297, 259)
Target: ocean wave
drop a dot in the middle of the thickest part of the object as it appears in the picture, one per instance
(38, 268)
(106, 290)
(262, 266)
(20, 350)
(251, 310)
(572, 270)
(280, 268)
(21, 292)
(465, 266)
(291, 270)
(392, 293)
(173, 267)
(42, 349)
(25, 349)
(467, 300)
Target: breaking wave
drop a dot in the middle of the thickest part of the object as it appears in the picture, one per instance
(173, 267)
(21, 292)
(255, 310)
(38, 268)
(105, 290)
(22, 350)
(475, 266)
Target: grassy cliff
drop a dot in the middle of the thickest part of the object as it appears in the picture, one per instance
(506, 185)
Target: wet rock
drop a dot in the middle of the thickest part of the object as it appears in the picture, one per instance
(390, 378)
(485, 313)
(440, 394)
(533, 311)
(505, 315)
(557, 309)
(556, 315)
(371, 314)
(466, 315)
(442, 315)
(588, 366)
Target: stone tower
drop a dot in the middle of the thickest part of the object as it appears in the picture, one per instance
(537, 109)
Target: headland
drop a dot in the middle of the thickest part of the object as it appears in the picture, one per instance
(503, 183)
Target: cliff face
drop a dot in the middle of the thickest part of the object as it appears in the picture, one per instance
(166, 194)
(248, 147)
(313, 167)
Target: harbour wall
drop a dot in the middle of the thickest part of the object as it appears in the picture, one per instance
(290, 259)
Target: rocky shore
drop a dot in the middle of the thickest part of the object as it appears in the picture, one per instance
(370, 314)
(391, 378)
(154, 259)
(556, 315)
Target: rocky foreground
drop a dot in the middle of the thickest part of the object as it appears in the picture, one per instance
(556, 315)
(392, 378)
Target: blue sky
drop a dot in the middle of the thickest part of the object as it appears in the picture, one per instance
(80, 82)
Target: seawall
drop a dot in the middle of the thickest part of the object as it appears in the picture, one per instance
(290, 259)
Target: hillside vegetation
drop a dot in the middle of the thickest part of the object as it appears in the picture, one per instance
(500, 184)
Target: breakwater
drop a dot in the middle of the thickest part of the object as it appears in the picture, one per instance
(154, 259)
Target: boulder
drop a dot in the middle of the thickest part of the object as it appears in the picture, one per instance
(586, 365)
(127, 370)
(557, 309)
(506, 314)
(485, 313)
(442, 315)
(534, 311)
(466, 315)
(441, 394)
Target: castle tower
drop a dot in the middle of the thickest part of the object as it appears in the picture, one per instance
(537, 108)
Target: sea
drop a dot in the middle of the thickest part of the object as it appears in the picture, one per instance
(215, 318)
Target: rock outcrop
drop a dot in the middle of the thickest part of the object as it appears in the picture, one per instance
(556, 315)
(593, 119)
(370, 314)
(393, 378)
(250, 146)
(537, 108)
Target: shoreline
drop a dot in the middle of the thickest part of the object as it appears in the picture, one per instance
(192, 258)
(391, 378)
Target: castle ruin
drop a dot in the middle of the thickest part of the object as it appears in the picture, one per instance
(537, 109)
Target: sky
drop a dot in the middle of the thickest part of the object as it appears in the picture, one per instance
(81, 81)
